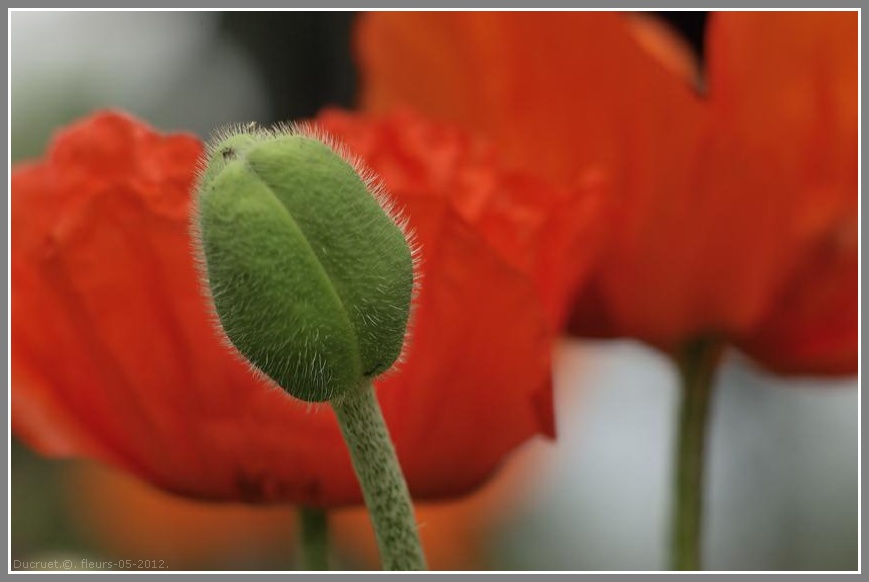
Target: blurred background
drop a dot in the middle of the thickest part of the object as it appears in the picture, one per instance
(783, 467)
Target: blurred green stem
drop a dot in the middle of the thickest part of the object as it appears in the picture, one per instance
(314, 538)
(697, 364)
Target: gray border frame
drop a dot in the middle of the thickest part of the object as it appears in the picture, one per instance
(383, 4)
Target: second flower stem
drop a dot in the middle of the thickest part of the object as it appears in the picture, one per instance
(697, 364)
(314, 538)
(383, 486)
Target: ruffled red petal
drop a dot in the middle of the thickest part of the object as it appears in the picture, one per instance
(551, 234)
(115, 356)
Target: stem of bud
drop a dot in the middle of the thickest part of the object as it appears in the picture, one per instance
(383, 486)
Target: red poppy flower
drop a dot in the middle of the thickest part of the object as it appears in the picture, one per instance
(114, 356)
(737, 201)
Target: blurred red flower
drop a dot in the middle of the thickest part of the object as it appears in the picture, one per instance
(737, 212)
(114, 356)
(121, 517)
(190, 534)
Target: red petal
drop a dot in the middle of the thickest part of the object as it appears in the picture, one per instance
(478, 344)
(814, 327)
(558, 92)
(783, 89)
(115, 356)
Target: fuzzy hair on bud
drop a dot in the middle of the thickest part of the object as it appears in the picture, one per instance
(309, 267)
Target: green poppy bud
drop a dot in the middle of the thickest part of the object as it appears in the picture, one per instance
(310, 274)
